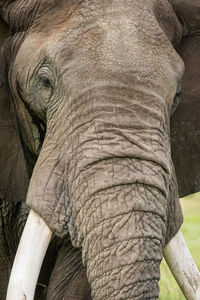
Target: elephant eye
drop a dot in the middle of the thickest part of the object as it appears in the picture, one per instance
(45, 81)
(176, 99)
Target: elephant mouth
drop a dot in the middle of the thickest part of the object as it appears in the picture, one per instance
(36, 238)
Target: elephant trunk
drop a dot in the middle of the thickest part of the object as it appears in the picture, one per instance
(123, 250)
(122, 226)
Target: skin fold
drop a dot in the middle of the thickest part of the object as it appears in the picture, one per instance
(87, 91)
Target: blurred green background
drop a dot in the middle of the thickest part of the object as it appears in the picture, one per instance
(169, 290)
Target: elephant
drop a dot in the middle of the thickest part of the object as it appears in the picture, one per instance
(99, 137)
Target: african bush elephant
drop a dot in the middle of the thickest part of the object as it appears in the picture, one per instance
(87, 91)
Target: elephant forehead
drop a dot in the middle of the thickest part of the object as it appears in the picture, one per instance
(101, 27)
(120, 34)
(85, 12)
(122, 19)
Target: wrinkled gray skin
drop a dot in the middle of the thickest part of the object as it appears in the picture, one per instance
(88, 87)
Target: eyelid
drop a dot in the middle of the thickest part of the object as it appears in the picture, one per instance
(44, 69)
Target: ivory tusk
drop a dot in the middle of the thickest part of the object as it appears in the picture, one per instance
(183, 267)
(29, 257)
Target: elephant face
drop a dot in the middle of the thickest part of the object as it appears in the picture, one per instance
(99, 100)
(93, 91)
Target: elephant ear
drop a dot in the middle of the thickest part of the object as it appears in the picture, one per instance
(185, 123)
(188, 12)
(13, 174)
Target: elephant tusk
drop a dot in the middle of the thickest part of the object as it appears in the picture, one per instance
(29, 257)
(183, 267)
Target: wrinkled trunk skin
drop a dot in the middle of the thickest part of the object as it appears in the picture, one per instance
(122, 230)
(123, 252)
(105, 178)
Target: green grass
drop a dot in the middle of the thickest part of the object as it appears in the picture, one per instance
(169, 290)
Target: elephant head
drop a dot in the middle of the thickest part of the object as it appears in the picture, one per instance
(93, 84)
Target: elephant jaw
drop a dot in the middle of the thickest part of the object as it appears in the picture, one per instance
(34, 243)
